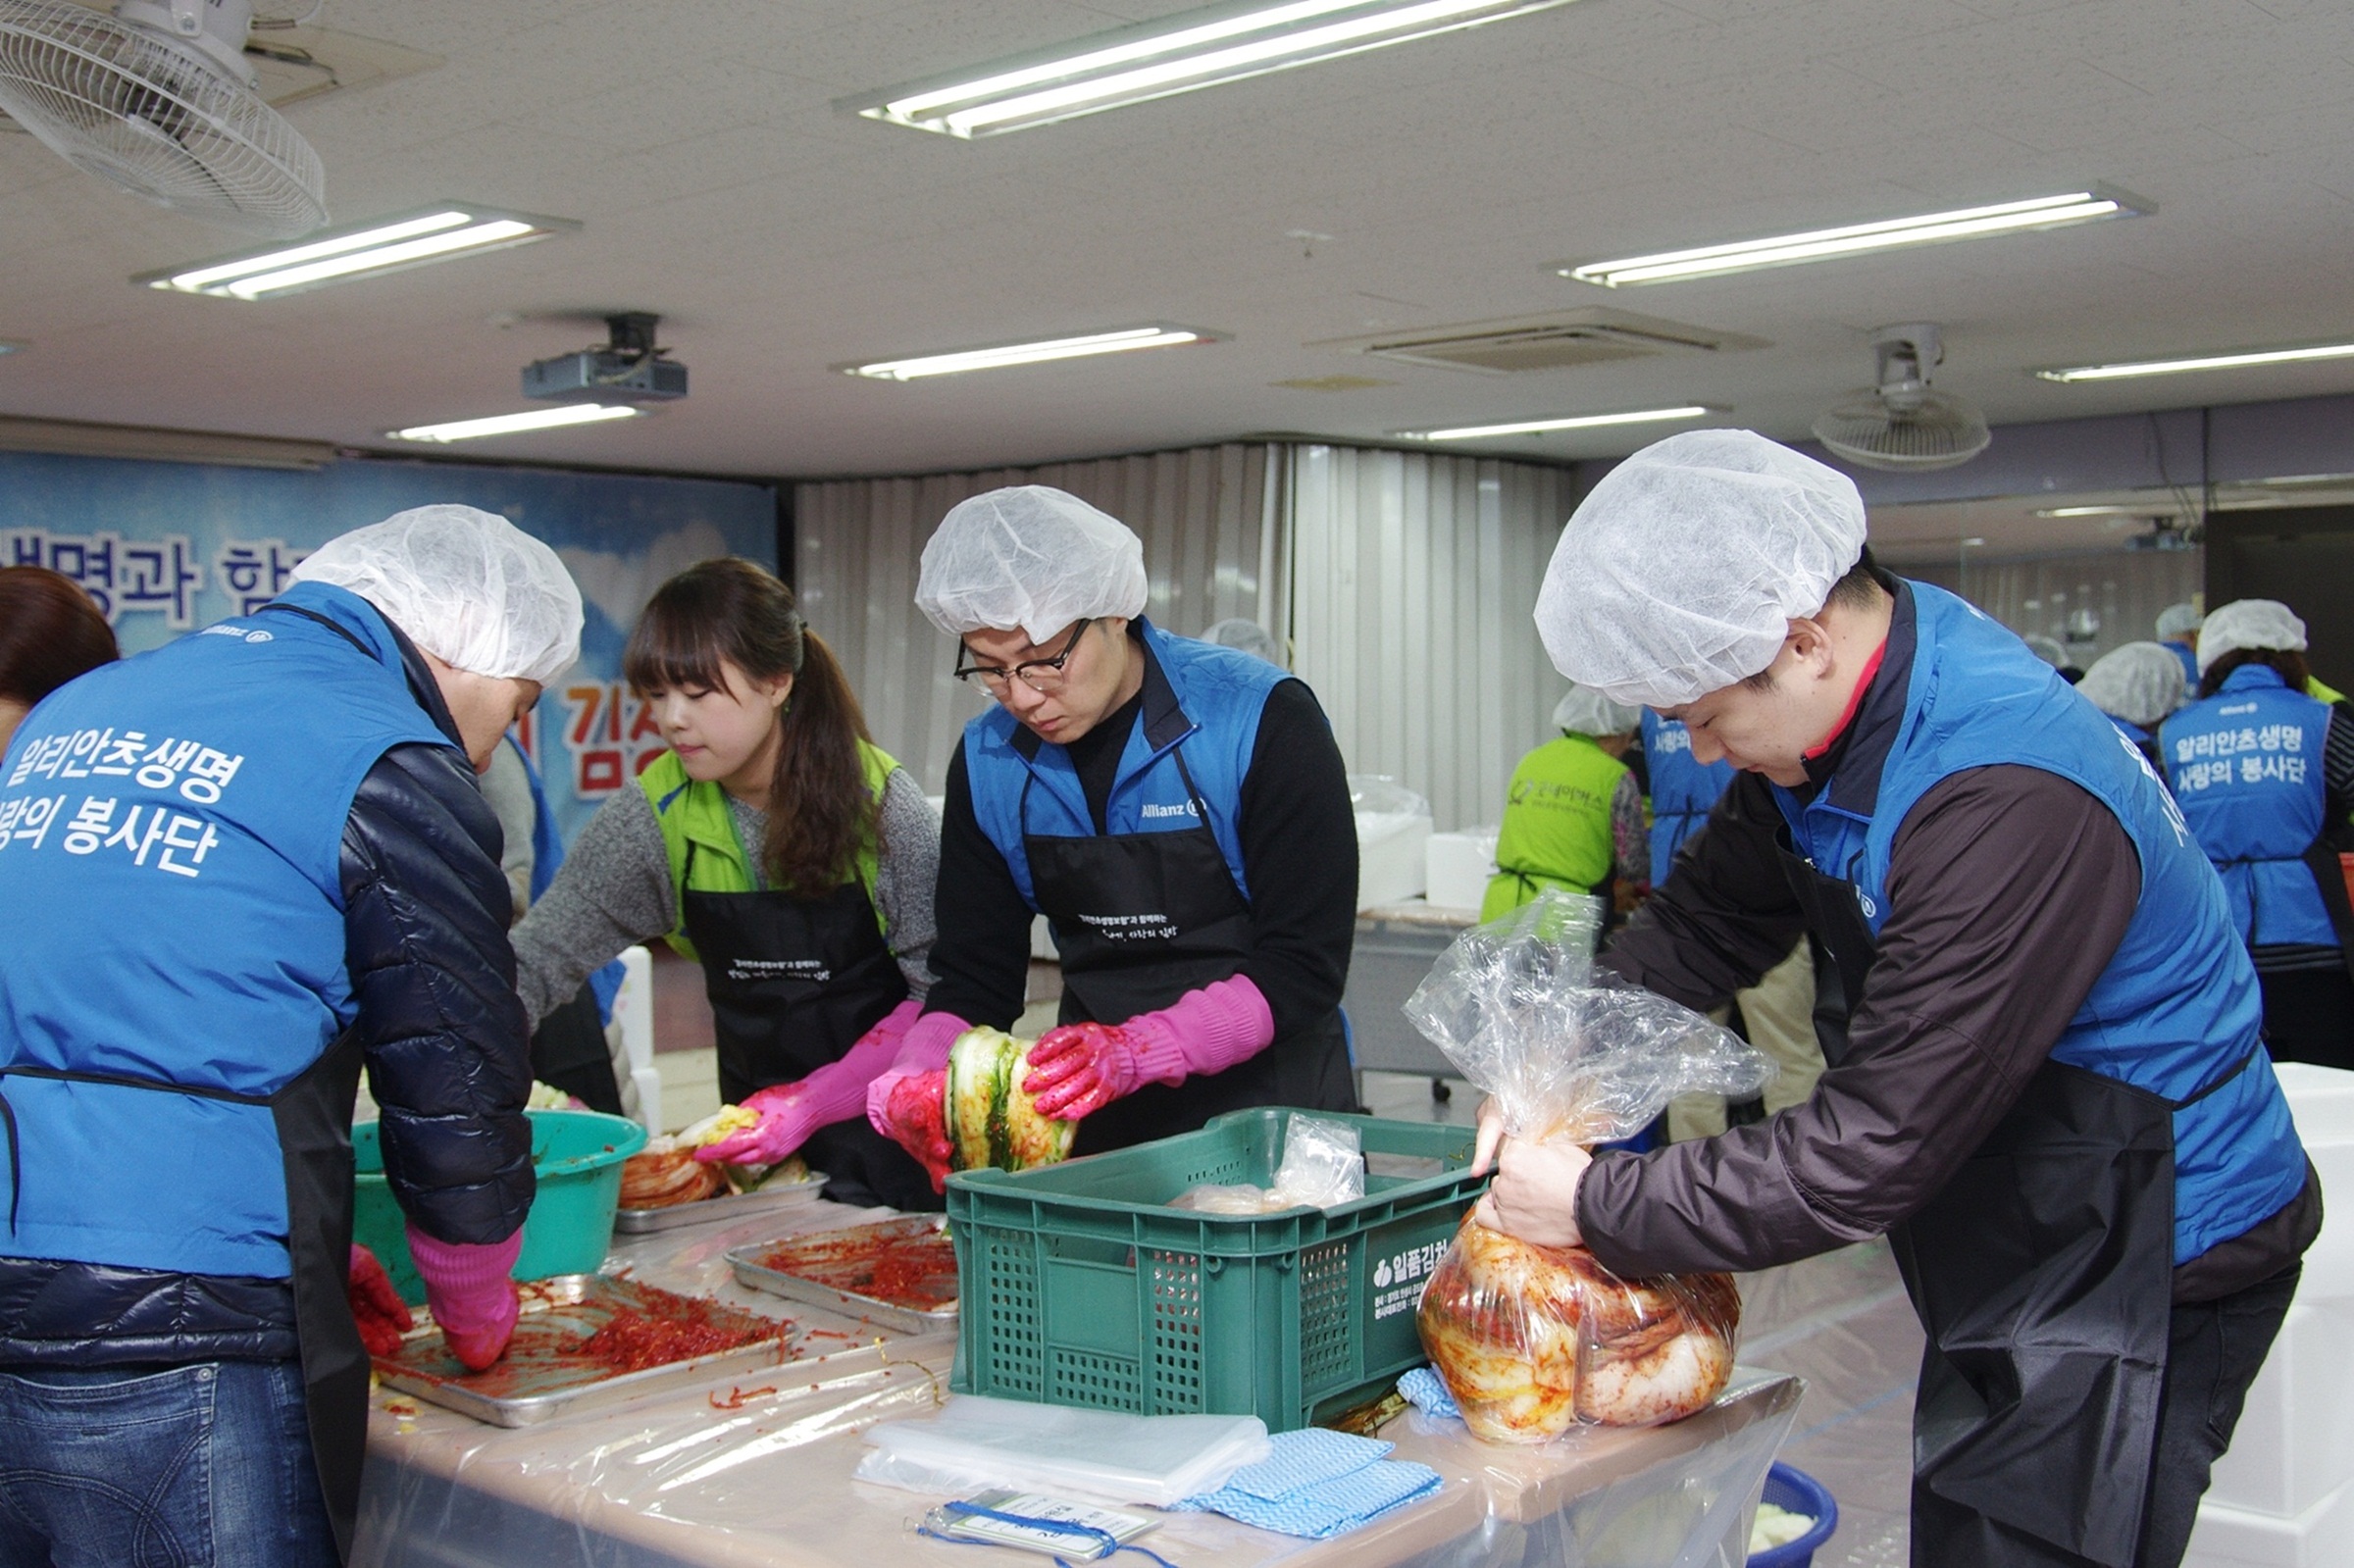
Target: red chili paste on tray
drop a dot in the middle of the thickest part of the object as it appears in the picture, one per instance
(915, 1272)
(631, 1341)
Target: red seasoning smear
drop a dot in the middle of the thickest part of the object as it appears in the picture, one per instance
(916, 1272)
(631, 1341)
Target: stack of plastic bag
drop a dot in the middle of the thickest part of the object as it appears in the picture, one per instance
(1532, 1339)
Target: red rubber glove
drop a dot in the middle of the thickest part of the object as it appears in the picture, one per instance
(835, 1092)
(469, 1295)
(383, 1316)
(916, 1116)
(1078, 1069)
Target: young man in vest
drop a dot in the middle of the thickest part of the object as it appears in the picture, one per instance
(1179, 812)
(1573, 813)
(237, 869)
(2047, 1083)
(2264, 774)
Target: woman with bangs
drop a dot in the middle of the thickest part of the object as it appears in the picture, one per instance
(776, 846)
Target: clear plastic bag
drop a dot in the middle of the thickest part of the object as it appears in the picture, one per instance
(1533, 1339)
(1566, 1051)
(1323, 1167)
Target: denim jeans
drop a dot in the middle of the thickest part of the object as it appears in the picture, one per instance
(129, 1467)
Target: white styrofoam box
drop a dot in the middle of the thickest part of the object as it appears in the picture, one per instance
(1458, 865)
(2293, 1448)
(634, 1007)
(2241, 1538)
(648, 1085)
(1390, 860)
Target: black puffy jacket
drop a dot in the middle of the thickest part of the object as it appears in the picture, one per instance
(449, 1061)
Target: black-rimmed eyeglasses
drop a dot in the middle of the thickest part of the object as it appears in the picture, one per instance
(1045, 677)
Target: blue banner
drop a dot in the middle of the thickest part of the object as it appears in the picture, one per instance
(165, 548)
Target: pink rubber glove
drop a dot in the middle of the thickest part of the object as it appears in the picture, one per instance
(383, 1316)
(835, 1092)
(909, 1104)
(469, 1295)
(1079, 1069)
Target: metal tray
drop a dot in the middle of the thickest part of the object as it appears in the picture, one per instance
(535, 1381)
(734, 1206)
(752, 1271)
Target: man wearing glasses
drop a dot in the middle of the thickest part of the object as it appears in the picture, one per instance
(1177, 810)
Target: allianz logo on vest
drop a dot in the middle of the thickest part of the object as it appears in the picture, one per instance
(1183, 808)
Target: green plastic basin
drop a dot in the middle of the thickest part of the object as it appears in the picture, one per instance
(578, 1157)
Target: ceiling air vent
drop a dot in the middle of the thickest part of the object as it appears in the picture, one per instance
(1561, 340)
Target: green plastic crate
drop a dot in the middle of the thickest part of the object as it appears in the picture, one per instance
(1079, 1287)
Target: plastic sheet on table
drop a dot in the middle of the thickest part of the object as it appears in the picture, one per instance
(746, 1472)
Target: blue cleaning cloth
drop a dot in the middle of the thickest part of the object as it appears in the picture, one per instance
(1317, 1484)
(1426, 1392)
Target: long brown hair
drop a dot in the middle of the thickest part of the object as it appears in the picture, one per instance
(820, 811)
(50, 632)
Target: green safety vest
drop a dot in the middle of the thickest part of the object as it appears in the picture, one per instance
(692, 811)
(1557, 824)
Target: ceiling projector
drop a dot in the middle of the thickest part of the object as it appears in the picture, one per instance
(625, 368)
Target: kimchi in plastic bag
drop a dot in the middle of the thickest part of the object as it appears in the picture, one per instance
(1533, 1339)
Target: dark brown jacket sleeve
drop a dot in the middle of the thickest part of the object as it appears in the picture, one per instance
(2008, 889)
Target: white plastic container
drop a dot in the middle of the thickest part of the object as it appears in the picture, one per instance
(1458, 865)
(2283, 1495)
(1392, 828)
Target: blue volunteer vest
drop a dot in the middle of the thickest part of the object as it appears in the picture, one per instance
(2246, 764)
(1220, 694)
(1683, 792)
(176, 919)
(2178, 1008)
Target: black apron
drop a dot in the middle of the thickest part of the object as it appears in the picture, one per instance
(1140, 919)
(2043, 1274)
(794, 982)
(311, 1115)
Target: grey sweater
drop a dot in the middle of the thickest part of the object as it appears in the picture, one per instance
(615, 890)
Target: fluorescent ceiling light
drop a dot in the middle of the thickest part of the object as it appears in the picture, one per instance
(2203, 362)
(383, 245)
(1175, 54)
(533, 418)
(1857, 239)
(1573, 422)
(1118, 341)
(2151, 509)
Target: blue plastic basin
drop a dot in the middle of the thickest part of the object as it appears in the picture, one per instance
(1799, 1492)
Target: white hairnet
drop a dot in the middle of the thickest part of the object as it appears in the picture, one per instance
(1032, 557)
(1248, 636)
(2048, 649)
(468, 587)
(2140, 683)
(1587, 712)
(2177, 620)
(2249, 624)
(1679, 575)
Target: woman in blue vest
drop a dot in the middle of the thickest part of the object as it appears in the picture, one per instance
(2179, 634)
(2136, 685)
(2266, 777)
(778, 846)
(238, 868)
(2047, 1083)
(1177, 811)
